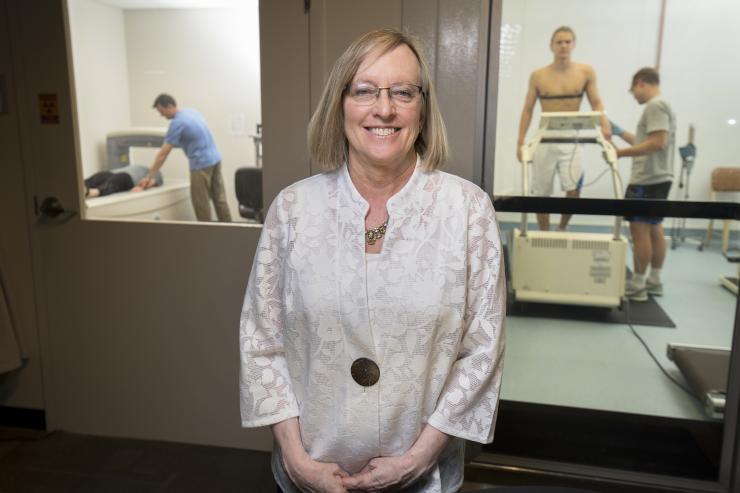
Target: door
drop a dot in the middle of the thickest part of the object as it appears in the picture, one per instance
(138, 321)
(20, 387)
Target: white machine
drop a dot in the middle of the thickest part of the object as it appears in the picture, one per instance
(569, 267)
(169, 202)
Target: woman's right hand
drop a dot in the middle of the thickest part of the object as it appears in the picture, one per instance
(308, 475)
(311, 476)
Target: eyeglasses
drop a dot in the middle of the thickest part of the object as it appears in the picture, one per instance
(365, 93)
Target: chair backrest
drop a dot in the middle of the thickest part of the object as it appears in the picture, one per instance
(248, 186)
(726, 179)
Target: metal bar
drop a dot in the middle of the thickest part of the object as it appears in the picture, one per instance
(499, 464)
(569, 140)
(661, 26)
(618, 207)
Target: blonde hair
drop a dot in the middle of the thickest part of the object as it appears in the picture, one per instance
(327, 144)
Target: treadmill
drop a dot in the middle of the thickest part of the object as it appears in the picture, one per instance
(564, 267)
(705, 369)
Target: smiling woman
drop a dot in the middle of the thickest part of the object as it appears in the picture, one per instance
(382, 126)
(372, 331)
(381, 134)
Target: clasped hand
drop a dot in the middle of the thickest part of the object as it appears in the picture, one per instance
(379, 475)
(384, 474)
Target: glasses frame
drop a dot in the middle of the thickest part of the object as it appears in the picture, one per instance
(348, 89)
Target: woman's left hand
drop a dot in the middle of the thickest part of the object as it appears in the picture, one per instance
(395, 473)
(384, 474)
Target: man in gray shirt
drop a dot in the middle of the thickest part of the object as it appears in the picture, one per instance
(652, 151)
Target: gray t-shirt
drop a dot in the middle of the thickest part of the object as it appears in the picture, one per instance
(656, 167)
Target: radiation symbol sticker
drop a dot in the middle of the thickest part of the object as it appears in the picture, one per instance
(49, 108)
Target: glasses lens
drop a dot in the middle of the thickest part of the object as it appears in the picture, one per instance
(404, 93)
(363, 93)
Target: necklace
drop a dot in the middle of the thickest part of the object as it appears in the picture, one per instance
(374, 234)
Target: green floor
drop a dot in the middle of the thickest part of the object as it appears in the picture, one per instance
(603, 366)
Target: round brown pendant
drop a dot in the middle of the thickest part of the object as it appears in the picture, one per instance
(365, 372)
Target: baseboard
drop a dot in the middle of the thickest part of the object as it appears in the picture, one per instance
(19, 417)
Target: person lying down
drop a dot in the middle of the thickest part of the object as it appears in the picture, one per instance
(118, 180)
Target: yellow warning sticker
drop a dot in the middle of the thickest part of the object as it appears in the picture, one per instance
(49, 108)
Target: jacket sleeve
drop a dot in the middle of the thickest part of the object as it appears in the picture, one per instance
(266, 396)
(468, 403)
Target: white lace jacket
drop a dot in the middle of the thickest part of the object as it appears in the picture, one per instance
(429, 310)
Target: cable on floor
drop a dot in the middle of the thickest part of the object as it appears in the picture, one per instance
(665, 372)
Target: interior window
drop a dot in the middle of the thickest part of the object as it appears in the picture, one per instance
(205, 56)
(591, 378)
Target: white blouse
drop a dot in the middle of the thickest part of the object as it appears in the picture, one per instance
(429, 310)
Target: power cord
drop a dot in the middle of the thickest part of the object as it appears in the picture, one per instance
(572, 158)
(570, 167)
(598, 178)
(650, 353)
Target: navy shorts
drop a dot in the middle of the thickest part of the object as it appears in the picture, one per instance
(654, 191)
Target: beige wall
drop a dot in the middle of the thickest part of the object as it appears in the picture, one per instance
(285, 94)
(101, 77)
(208, 59)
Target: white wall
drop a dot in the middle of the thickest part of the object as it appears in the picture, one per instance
(101, 77)
(700, 76)
(208, 59)
(616, 38)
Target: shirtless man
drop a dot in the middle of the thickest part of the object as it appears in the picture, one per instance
(560, 87)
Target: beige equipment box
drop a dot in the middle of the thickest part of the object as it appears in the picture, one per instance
(569, 267)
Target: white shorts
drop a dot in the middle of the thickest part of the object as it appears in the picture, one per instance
(563, 158)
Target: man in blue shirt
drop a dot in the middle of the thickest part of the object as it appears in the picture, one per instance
(188, 130)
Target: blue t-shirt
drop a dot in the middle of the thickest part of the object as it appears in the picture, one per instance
(189, 131)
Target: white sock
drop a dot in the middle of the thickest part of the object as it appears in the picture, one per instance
(654, 276)
(638, 280)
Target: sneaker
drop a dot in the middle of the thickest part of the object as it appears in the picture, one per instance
(654, 288)
(633, 293)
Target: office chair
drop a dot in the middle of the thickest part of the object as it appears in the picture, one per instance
(248, 185)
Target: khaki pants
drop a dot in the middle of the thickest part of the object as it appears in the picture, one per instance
(205, 185)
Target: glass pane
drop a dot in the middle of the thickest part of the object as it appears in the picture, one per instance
(585, 380)
(206, 56)
(685, 42)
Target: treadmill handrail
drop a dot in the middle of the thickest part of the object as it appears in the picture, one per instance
(610, 154)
